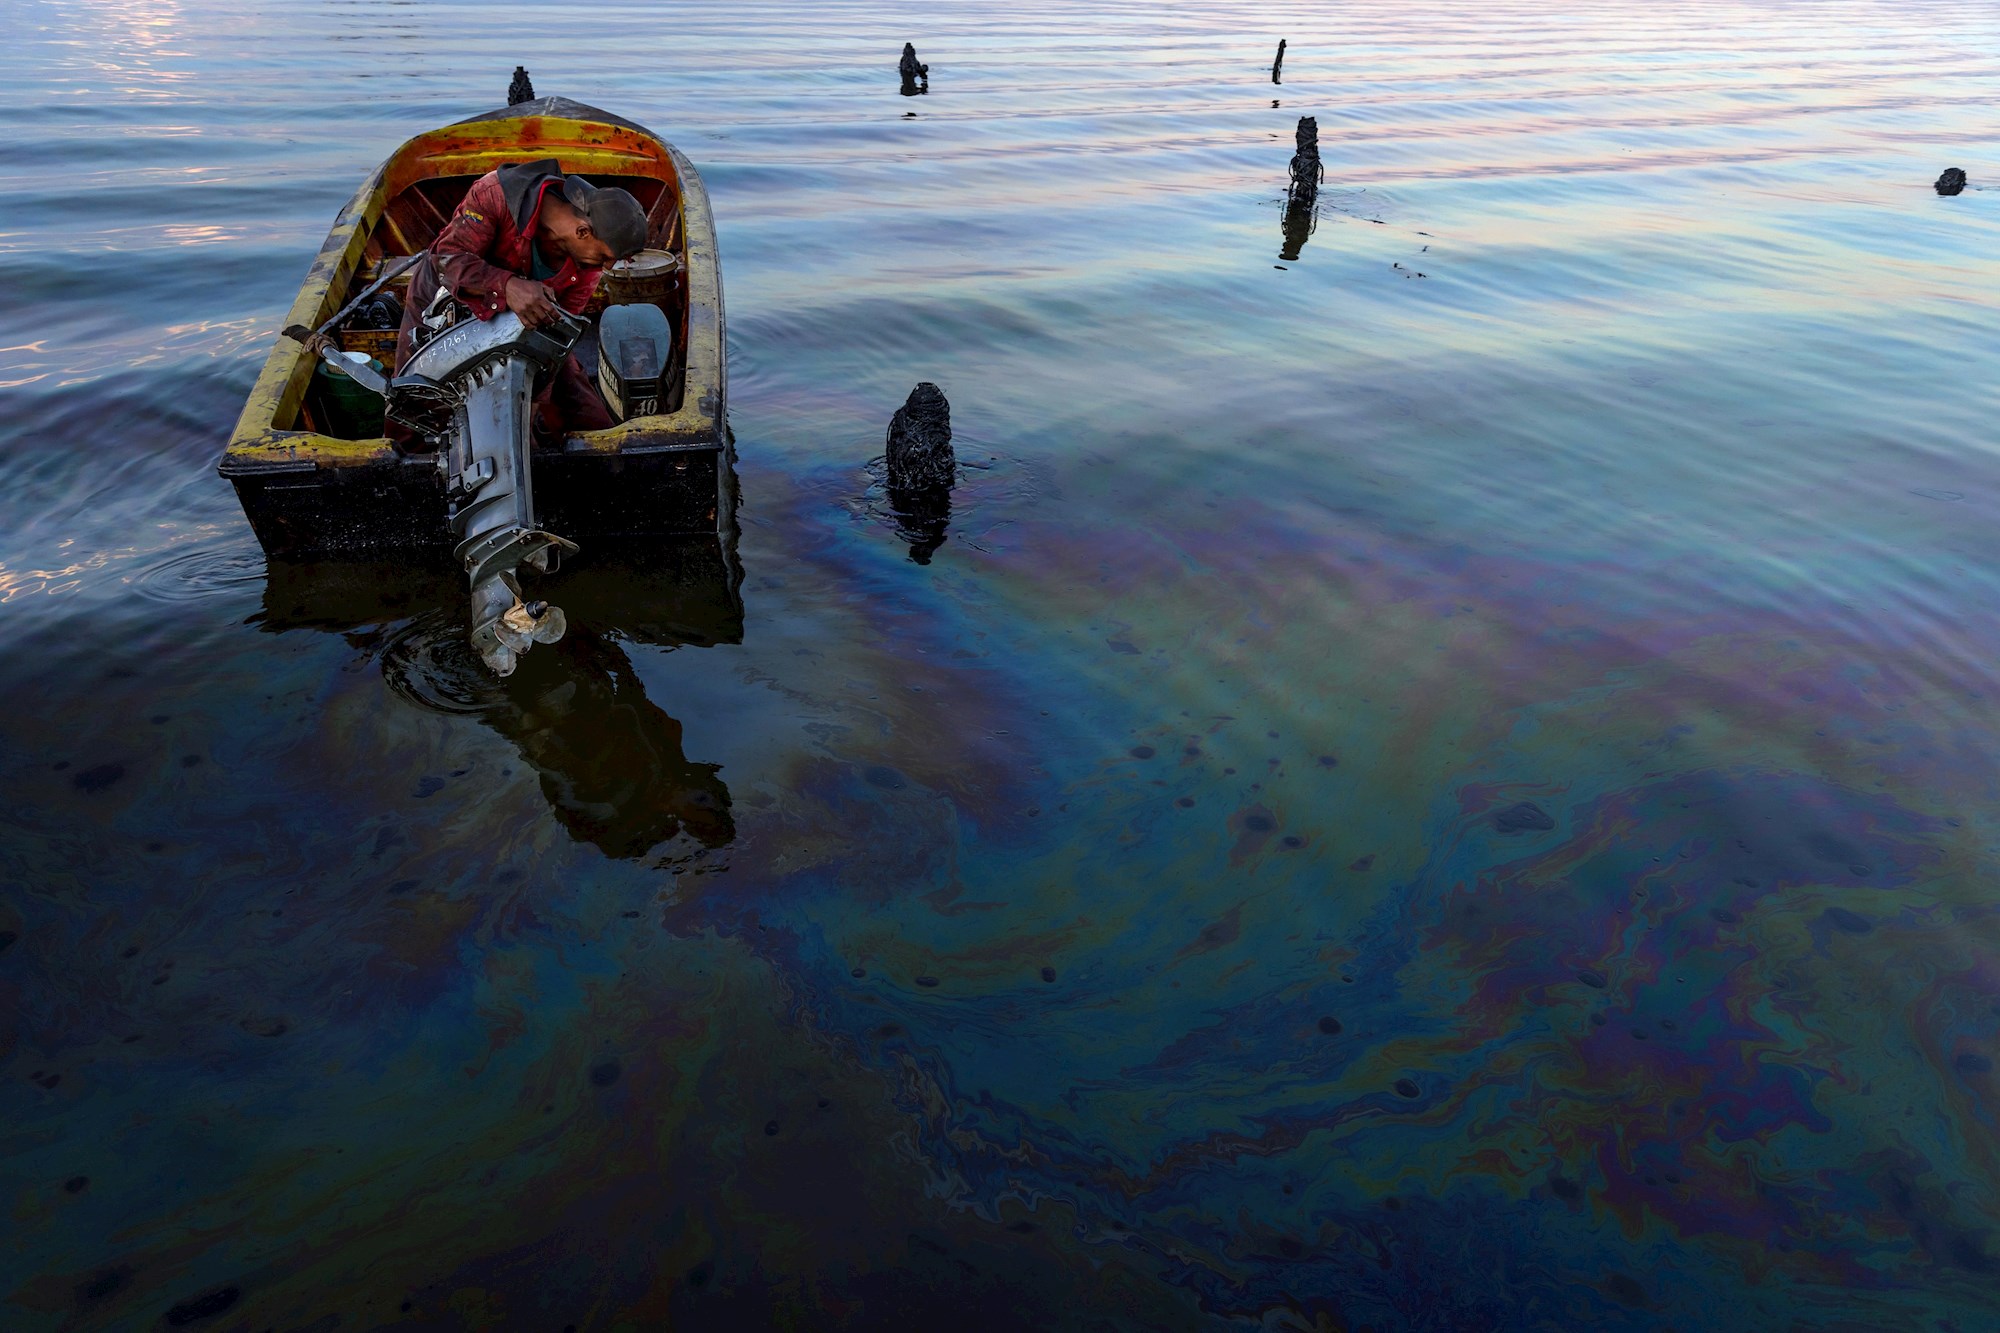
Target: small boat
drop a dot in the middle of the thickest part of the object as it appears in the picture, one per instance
(319, 479)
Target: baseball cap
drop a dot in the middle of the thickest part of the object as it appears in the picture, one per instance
(612, 213)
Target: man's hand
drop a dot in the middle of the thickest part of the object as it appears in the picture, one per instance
(531, 300)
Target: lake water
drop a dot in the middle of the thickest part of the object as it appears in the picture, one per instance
(1446, 782)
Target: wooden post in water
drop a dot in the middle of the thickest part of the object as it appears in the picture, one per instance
(1278, 65)
(916, 75)
(920, 456)
(1307, 172)
(520, 90)
(922, 469)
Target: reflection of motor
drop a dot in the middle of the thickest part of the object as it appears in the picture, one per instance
(467, 392)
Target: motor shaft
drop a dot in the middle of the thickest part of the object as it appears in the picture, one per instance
(487, 370)
(494, 514)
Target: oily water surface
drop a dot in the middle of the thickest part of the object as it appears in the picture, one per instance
(1442, 776)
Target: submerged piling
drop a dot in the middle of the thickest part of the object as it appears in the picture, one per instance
(920, 452)
(916, 75)
(1307, 172)
(520, 90)
(922, 469)
(1278, 65)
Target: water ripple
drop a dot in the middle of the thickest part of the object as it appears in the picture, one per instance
(194, 576)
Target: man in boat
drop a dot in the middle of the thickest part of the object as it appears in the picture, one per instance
(531, 240)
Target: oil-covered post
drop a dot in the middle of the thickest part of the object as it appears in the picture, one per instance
(922, 468)
(916, 75)
(1307, 172)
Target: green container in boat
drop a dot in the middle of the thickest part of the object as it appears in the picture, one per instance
(346, 409)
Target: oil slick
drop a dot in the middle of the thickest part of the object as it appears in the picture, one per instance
(1374, 819)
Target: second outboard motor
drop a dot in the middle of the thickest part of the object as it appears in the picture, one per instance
(468, 391)
(635, 346)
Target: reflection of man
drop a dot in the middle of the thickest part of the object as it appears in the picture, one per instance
(612, 763)
(531, 240)
(610, 759)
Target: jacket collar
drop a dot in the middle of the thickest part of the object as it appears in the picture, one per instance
(521, 186)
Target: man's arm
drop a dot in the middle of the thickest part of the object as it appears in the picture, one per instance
(461, 248)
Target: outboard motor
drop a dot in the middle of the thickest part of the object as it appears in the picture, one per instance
(635, 346)
(468, 391)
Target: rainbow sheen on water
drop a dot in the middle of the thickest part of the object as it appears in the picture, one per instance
(1444, 782)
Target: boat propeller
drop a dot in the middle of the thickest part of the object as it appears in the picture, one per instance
(468, 391)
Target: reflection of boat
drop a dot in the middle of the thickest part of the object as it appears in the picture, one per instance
(609, 759)
(310, 491)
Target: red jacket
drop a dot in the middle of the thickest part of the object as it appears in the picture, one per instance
(486, 242)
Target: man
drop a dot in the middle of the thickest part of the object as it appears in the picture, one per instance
(531, 240)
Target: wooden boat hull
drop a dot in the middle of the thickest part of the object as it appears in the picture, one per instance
(309, 493)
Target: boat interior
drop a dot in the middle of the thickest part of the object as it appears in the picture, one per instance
(419, 190)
